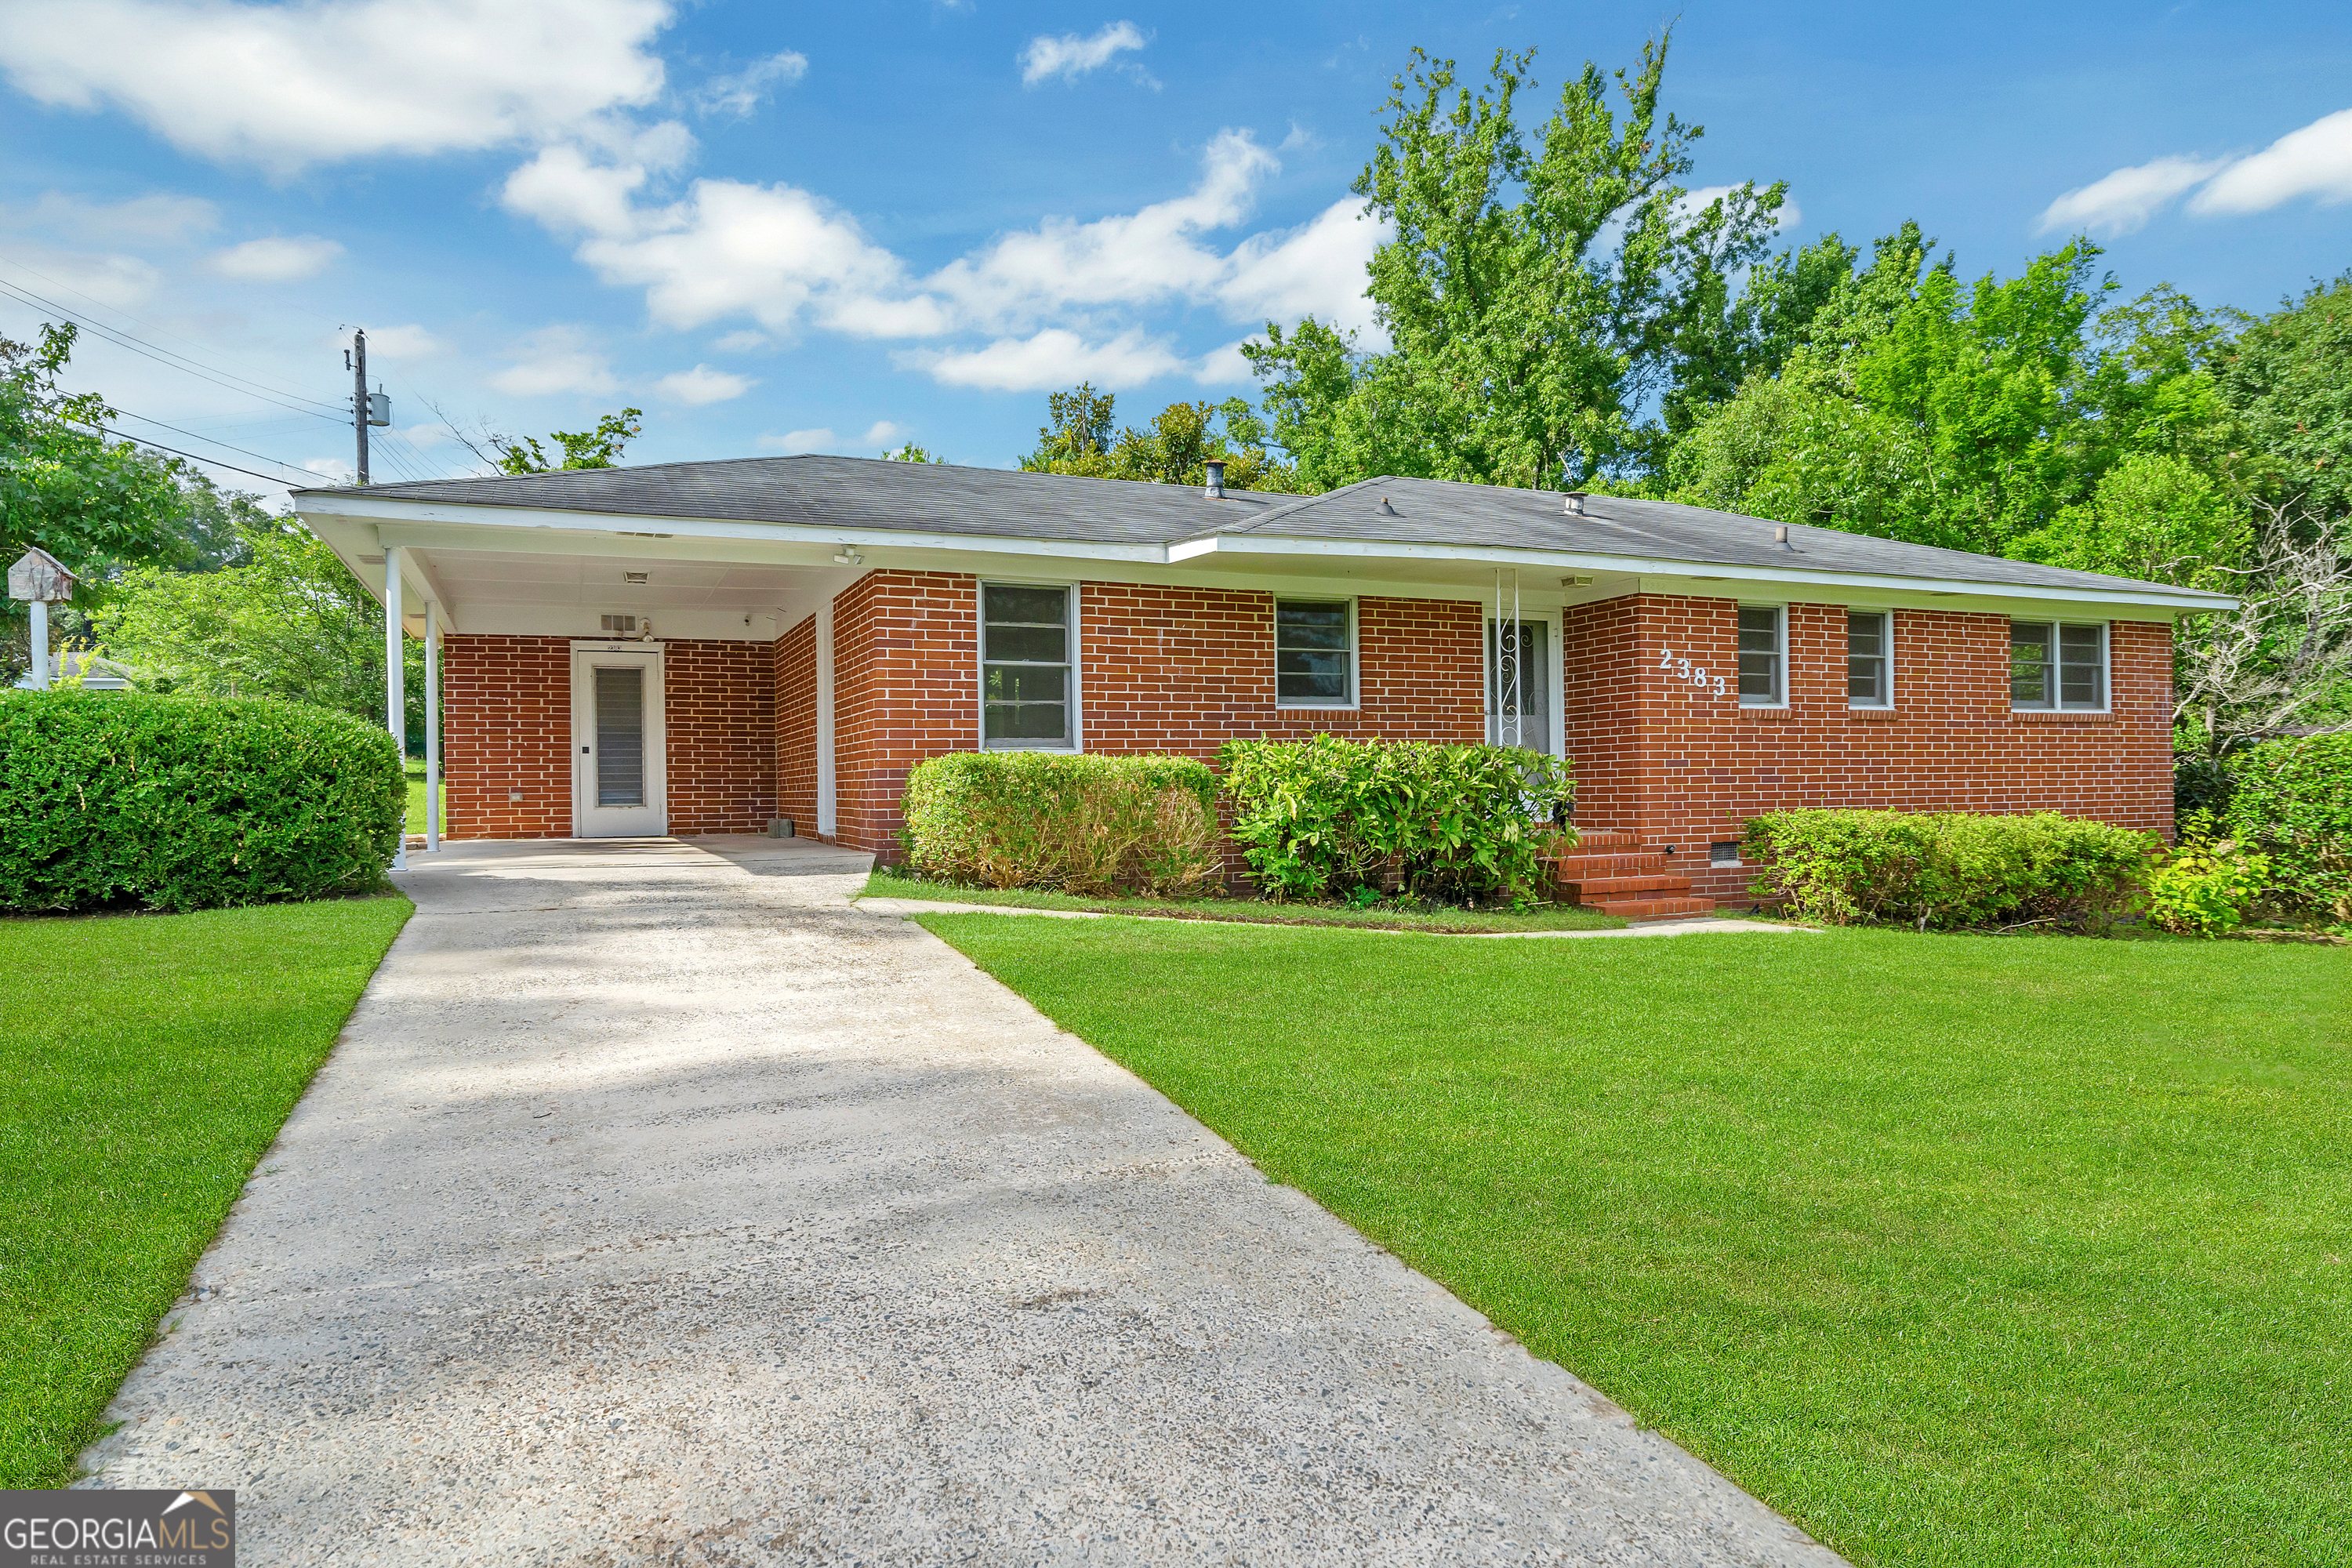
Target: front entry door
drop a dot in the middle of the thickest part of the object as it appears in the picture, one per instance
(617, 787)
(1519, 709)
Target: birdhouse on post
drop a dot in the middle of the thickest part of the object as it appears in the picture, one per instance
(41, 580)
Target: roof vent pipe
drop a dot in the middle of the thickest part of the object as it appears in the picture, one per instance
(1576, 502)
(1215, 489)
(1781, 537)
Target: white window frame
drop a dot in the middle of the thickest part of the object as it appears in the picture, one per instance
(1885, 659)
(2056, 704)
(1355, 656)
(1780, 654)
(1073, 688)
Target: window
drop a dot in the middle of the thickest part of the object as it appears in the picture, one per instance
(2057, 668)
(1024, 667)
(1760, 656)
(1314, 653)
(1869, 642)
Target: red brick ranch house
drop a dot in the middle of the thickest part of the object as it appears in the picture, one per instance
(700, 648)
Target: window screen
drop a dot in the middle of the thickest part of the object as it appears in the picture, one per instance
(1314, 656)
(620, 735)
(1866, 672)
(1024, 665)
(2054, 666)
(1760, 656)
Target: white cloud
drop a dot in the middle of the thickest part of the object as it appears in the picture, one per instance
(402, 343)
(124, 282)
(2315, 161)
(1130, 259)
(743, 343)
(882, 432)
(157, 218)
(335, 469)
(1055, 357)
(773, 252)
(2123, 202)
(555, 360)
(566, 192)
(286, 87)
(277, 259)
(1071, 57)
(703, 385)
(740, 93)
(1316, 268)
(1224, 367)
(819, 440)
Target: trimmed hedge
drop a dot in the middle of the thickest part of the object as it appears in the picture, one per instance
(1324, 816)
(1078, 823)
(2292, 802)
(1950, 870)
(175, 803)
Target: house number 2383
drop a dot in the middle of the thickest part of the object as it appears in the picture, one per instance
(1680, 669)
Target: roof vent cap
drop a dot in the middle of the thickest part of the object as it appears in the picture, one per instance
(1388, 510)
(1215, 489)
(1781, 537)
(1576, 502)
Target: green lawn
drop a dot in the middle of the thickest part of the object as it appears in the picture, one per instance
(149, 1059)
(885, 883)
(416, 799)
(1960, 1250)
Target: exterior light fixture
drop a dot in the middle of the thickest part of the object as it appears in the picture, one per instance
(847, 556)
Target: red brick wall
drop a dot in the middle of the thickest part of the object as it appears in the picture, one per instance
(1600, 688)
(906, 686)
(720, 702)
(1183, 670)
(1699, 764)
(507, 731)
(793, 660)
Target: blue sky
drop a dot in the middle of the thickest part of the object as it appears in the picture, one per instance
(780, 228)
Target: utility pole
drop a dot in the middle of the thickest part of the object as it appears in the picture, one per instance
(366, 408)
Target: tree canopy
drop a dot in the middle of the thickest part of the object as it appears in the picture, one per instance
(1174, 448)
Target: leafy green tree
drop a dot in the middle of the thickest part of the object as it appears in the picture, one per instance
(2286, 381)
(597, 448)
(1531, 292)
(910, 453)
(1717, 343)
(289, 621)
(1175, 448)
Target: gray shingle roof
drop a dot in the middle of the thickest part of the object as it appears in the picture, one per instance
(923, 498)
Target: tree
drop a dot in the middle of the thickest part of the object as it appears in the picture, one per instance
(290, 621)
(910, 453)
(598, 448)
(2286, 381)
(2282, 662)
(1173, 449)
(1530, 292)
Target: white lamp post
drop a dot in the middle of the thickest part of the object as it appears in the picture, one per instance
(42, 580)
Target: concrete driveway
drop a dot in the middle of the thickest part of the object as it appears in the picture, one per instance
(657, 1207)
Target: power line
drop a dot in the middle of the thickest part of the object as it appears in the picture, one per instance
(158, 356)
(195, 457)
(209, 440)
(154, 327)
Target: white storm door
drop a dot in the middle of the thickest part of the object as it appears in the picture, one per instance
(617, 786)
(1520, 710)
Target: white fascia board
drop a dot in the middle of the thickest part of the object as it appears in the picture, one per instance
(395, 519)
(2175, 600)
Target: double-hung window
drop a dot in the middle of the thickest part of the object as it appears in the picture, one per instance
(1314, 653)
(1025, 668)
(1869, 659)
(2057, 666)
(1763, 656)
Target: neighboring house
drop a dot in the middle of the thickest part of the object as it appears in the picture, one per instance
(696, 647)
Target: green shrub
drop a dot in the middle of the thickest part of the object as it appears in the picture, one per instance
(176, 803)
(2206, 885)
(2292, 802)
(1324, 816)
(1079, 823)
(1949, 870)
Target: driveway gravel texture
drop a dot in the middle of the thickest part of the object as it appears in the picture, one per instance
(658, 1206)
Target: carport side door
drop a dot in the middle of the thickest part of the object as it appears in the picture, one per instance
(618, 790)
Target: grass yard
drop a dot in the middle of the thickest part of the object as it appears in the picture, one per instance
(1959, 1250)
(416, 772)
(149, 1059)
(885, 883)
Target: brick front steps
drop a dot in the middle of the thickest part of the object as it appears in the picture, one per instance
(1610, 871)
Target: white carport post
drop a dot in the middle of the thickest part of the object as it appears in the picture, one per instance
(395, 699)
(432, 725)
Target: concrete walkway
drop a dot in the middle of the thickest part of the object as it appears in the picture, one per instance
(658, 1207)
